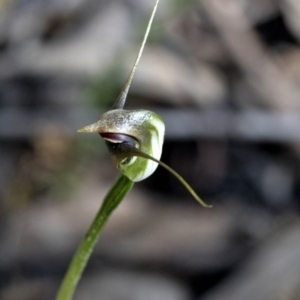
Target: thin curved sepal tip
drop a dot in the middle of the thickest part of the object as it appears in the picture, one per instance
(185, 184)
(132, 151)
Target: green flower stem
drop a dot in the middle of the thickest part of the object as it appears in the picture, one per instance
(121, 187)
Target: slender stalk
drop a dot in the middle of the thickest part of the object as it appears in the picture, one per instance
(119, 104)
(119, 190)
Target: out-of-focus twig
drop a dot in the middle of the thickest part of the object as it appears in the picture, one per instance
(249, 52)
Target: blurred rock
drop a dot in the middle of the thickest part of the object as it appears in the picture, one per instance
(117, 284)
(259, 10)
(271, 273)
(291, 12)
(78, 54)
(35, 289)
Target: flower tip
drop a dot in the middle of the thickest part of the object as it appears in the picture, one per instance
(82, 130)
(89, 128)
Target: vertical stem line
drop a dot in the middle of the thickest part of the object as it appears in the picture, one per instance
(119, 104)
(116, 194)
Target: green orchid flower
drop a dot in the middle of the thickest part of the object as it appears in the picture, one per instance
(134, 139)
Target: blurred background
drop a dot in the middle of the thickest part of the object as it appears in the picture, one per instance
(225, 77)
